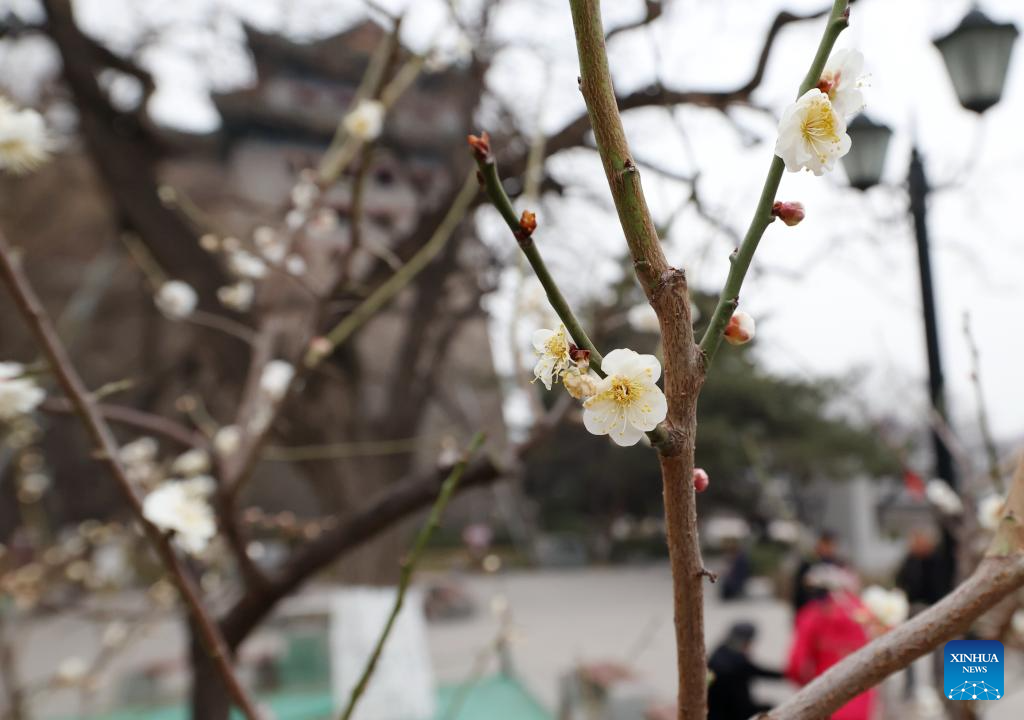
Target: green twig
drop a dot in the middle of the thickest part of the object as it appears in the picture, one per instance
(741, 258)
(409, 567)
(496, 194)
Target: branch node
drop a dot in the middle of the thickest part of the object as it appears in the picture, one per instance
(705, 573)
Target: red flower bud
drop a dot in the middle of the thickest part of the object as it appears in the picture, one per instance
(790, 213)
(528, 223)
(700, 480)
(481, 146)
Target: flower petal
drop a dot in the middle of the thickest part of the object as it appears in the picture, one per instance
(619, 361)
(648, 410)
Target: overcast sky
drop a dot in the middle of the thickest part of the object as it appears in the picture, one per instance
(836, 295)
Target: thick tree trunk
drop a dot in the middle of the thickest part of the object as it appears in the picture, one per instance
(209, 697)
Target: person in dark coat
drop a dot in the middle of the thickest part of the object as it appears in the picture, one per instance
(825, 551)
(924, 577)
(729, 696)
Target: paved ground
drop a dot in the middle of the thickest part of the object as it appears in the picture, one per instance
(559, 618)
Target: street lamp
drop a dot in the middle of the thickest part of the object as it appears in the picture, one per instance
(866, 159)
(977, 55)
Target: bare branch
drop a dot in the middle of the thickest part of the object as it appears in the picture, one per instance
(38, 320)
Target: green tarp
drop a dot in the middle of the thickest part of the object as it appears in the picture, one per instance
(494, 698)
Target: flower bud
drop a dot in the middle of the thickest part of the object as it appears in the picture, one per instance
(700, 480)
(528, 223)
(790, 213)
(481, 146)
(740, 329)
(580, 356)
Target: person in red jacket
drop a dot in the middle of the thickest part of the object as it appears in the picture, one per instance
(833, 624)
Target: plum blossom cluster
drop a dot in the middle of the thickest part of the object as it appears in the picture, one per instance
(182, 507)
(24, 142)
(812, 130)
(624, 404)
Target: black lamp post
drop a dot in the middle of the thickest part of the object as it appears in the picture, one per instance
(977, 55)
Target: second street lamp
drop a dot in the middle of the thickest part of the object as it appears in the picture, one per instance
(977, 55)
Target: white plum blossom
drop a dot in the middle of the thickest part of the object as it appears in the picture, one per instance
(19, 395)
(176, 299)
(276, 377)
(238, 296)
(741, 329)
(227, 440)
(943, 497)
(552, 347)
(191, 462)
(890, 607)
(246, 265)
(628, 401)
(182, 507)
(24, 143)
(990, 510)
(366, 121)
(842, 79)
(812, 134)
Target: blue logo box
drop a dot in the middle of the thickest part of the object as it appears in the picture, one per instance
(973, 670)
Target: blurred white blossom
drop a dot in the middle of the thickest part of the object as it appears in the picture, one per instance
(227, 440)
(889, 606)
(19, 395)
(192, 462)
(1018, 623)
(238, 296)
(628, 401)
(943, 497)
(812, 134)
(642, 318)
(71, 671)
(366, 121)
(24, 142)
(246, 265)
(304, 194)
(990, 509)
(182, 507)
(277, 375)
(176, 299)
(295, 265)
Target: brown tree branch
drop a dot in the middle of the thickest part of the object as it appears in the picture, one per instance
(666, 290)
(391, 505)
(999, 575)
(136, 419)
(63, 368)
